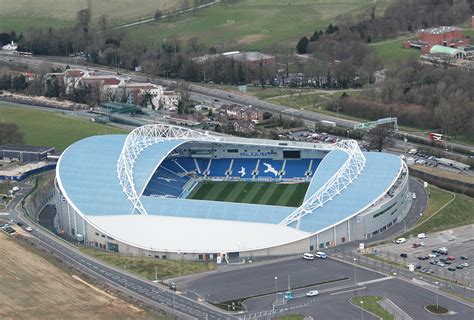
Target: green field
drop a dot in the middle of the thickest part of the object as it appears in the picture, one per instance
(267, 193)
(392, 52)
(41, 128)
(252, 24)
(370, 303)
(22, 14)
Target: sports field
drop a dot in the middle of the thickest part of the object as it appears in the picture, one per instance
(267, 193)
(252, 24)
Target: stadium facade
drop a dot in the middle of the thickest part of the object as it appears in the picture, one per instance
(144, 194)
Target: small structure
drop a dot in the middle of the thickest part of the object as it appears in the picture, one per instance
(10, 47)
(446, 36)
(23, 153)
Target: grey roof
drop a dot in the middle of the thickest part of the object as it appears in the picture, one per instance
(25, 148)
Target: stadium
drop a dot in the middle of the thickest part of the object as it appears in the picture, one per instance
(172, 192)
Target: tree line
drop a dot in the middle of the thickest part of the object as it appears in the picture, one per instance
(420, 96)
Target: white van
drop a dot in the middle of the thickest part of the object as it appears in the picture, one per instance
(321, 255)
(308, 256)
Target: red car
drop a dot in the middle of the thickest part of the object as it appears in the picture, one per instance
(451, 258)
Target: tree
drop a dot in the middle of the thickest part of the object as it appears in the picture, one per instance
(83, 19)
(302, 46)
(10, 134)
(5, 82)
(103, 23)
(157, 15)
(19, 83)
(379, 137)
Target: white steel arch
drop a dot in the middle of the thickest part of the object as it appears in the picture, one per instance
(346, 174)
(143, 137)
(140, 139)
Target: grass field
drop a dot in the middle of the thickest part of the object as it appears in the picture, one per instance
(145, 266)
(392, 52)
(267, 193)
(34, 287)
(456, 213)
(252, 24)
(22, 14)
(43, 128)
(370, 303)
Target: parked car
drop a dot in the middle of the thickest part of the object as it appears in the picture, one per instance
(312, 293)
(465, 265)
(433, 261)
(403, 255)
(443, 250)
(421, 236)
(28, 228)
(451, 268)
(460, 266)
(433, 255)
(308, 256)
(424, 257)
(447, 262)
(400, 240)
(451, 258)
(440, 264)
(321, 255)
(464, 257)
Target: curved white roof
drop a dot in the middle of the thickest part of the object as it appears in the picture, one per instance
(88, 177)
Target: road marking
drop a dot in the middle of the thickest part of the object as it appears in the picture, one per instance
(351, 290)
(375, 280)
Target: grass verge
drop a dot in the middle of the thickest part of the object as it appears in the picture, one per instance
(371, 304)
(291, 317)
(146, 266)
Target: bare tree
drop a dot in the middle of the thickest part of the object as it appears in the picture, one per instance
(379, 137)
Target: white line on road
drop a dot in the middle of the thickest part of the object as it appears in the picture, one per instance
(352, 290)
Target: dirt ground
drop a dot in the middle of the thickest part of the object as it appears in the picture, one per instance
(31, 287)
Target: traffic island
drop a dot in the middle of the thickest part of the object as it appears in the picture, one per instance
(436, 309)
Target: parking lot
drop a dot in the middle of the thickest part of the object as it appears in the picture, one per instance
(459, 242)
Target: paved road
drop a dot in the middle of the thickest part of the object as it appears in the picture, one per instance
(197, 89)
(146, 291)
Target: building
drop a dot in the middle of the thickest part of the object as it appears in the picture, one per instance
(136, 91)
(24, 153)
(243, 126)
(170, 100)
(447, 36)
(451, 53)
(253, 59)
(241, 113)
(10, 47)
(130, 194)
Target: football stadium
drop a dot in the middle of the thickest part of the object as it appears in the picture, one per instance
(173, 192)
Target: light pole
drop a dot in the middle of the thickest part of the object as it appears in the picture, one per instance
(125, 274)
(355, 271)
(276, 290)
(361, 310)
(437, 288)
(289, 287)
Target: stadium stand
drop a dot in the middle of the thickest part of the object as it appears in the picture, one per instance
(170, 179)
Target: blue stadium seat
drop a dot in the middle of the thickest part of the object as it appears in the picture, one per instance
(296, 168)
(243, 168)
(219, 167)
(187, 163)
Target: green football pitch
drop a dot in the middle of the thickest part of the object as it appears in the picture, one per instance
(267, 193)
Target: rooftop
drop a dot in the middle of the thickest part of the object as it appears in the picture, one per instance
(443, 49)
(441, 30)
(25, 148)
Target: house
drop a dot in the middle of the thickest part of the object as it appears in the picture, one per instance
(241, 113)
(10, 47)
(243, 126)
(135, 92)
(170, 100)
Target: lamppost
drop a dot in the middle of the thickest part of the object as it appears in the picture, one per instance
(361, 310)
(276, 290)
(355, 271)
(437, 288)
(125, 274)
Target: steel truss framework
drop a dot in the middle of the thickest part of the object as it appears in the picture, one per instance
(347, 173)
(143, 137)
